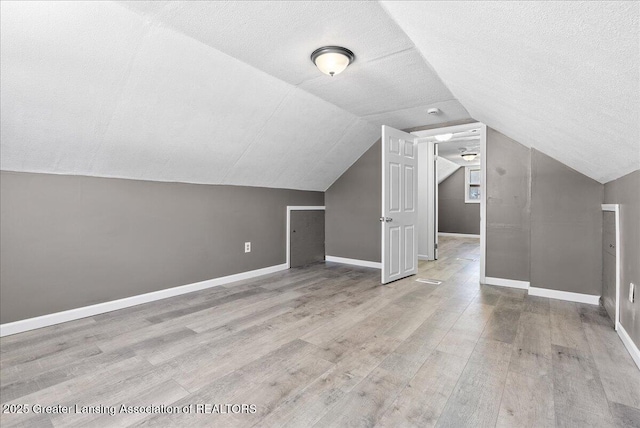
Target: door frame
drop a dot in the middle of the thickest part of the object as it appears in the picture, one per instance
(298, 208)
(615, 208)
(483, 175)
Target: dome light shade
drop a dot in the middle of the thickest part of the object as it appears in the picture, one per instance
(469, 156)
(444, 137)
(332, 60)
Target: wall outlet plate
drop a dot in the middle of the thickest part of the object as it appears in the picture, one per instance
(632, 292)
(247, 247)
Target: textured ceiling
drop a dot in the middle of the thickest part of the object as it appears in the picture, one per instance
(225, 93)
(562, 77)
(205, 92)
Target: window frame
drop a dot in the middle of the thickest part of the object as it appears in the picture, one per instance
(468, 185)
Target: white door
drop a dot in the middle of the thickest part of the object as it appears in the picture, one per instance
(399, 204)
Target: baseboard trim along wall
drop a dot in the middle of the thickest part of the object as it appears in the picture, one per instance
(501, 282)
(628, 343)
(544, 292)
(355, 262)
(565, 295)
(459, 235)
(100, 308)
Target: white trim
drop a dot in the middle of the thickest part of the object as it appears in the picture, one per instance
(355, 262)
(100, 308)
(565, 295)
(423, 257)
(609, 207)
(459, 235)
(483, 182)
(296, 208)
(501, 282)
(616, 209)
(628, 343)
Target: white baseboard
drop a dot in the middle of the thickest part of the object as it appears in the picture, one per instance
(423, 257)
(355, 262)
(565, 295)
(459, 235)
(501, 282)
(628, 343)
(100, 308)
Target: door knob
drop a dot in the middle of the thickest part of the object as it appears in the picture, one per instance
(386, 219)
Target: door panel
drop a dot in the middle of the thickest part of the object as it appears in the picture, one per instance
(306, 237)
(399, 209)
(609, 263)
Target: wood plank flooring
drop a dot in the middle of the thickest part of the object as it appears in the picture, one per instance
(326, 345)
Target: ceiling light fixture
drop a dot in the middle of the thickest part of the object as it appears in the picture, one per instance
(469, 156)
(332, 60)
(444, 137)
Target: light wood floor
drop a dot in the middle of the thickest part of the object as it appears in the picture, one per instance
(327, 345)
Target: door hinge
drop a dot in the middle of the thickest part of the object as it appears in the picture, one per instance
(436, 246)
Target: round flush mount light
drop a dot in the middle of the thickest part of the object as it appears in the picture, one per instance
(433, 111)
(332, 60)
(444, 137)
(469, 156)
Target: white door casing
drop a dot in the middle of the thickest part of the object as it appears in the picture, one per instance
(432, 193)
(399, 204)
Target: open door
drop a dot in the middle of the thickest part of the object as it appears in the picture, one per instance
(399, 204)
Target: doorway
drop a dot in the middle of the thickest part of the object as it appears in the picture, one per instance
(444, 152)
(611, 261)
(305, 235)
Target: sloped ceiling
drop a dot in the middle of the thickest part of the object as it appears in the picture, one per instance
(204, 92)
(225, 93)
(562, 77)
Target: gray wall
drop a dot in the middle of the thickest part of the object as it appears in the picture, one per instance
(626, 192)
(566, 227)
(71, 241)
(508, 167)
(353, 204)
(454, 215)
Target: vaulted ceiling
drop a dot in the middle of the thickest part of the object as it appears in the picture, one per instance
(225, 93)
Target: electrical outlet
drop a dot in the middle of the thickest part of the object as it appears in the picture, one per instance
(247, 247)
(632, 292)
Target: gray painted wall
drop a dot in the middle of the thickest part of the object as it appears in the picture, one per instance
(306, 237)
(626, 192)
(508, 207)
(454, 215)
(566, 227)
(71, 241)
(353, 204)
